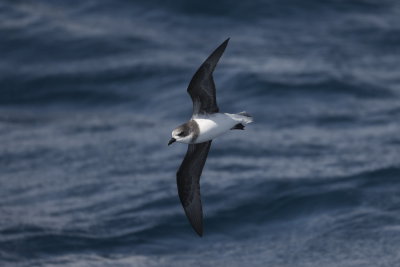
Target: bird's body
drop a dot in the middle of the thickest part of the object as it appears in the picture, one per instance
(213, 125)
(206, 124)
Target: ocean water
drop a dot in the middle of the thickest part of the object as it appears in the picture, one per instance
(89, 94)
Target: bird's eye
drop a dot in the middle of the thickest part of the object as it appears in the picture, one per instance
(180, 133)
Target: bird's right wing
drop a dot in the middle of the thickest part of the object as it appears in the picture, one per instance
(188, 178)
(202, 88)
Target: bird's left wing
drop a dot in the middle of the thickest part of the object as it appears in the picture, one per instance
(188, 178)
(202, 88)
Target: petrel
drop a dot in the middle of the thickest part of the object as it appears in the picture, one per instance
(206, 124)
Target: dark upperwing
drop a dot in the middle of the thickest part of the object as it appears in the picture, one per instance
(188, 178)
(202, 88)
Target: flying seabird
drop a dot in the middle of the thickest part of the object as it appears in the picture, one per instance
(206, 124)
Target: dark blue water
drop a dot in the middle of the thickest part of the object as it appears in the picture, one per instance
(89, 94)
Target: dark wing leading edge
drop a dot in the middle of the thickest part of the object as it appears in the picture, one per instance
(188, 178)
(202, 88)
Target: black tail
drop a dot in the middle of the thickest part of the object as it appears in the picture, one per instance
(238, 126)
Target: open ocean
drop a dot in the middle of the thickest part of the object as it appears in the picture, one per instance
(91, 90)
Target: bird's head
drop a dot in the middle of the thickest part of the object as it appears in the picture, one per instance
(181, 134)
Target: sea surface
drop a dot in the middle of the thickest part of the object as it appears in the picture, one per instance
(91, 90)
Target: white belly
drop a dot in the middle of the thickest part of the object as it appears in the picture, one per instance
(213, 125)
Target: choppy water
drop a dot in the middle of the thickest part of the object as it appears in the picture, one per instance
(90, 91)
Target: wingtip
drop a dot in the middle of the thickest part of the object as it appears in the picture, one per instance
(225, 43)
(196, 223)
(200, 233)
(198, 229)
(194, 214)
(221, 48)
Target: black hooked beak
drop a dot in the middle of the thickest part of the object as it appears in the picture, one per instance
(171, 141)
